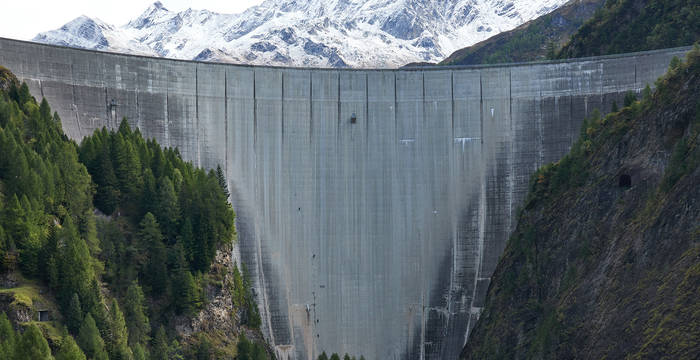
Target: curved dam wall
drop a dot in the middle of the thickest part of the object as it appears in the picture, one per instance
(372, 205)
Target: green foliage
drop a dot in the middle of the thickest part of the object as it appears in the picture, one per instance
(323, 356)
(74, 315)
(248, 350)
(7, 336)
(243, 298)
(633, 25)
(135, 315)
(630, 98)
(69, 350)
(139, 352)
(166, 221)
(117, 344)
(32, 345)
(160, 345)
(90, 341)
(335, 356)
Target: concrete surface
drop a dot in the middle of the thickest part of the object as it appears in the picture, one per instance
(388, 228)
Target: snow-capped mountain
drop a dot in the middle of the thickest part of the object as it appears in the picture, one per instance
(322, 33)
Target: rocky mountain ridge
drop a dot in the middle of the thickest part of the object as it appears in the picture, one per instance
(333, 33)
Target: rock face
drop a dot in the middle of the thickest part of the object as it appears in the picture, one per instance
(220, 320)
(605, 260)
(321, 33)
(373, 236)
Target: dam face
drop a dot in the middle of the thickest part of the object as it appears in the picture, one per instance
(372, 205)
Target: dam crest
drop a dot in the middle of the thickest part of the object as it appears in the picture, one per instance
(372, 205)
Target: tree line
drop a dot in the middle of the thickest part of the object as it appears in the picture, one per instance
(120, 275)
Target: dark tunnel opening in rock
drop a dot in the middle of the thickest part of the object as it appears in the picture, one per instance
(625, 181)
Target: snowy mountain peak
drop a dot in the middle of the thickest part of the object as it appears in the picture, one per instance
(324, 33)
(153, 12)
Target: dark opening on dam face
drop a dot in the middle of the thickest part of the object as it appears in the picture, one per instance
(372, 205)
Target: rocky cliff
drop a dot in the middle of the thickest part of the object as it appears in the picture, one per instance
(605, 260)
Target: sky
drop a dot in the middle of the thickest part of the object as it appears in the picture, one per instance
(23, 19)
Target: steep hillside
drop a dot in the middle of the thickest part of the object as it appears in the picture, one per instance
(325, 33)
(146, 269)
(636, 25)
(605, 259)
(535, 40)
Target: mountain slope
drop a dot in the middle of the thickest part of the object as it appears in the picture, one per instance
(534, 40)
(636, 25)
(326, 33)
(605, 260)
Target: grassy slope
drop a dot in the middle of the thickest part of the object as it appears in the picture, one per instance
(595, 270)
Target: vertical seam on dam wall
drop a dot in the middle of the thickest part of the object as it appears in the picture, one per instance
(282, 111)
(337, 127)
(481, 108)
(226, 119)
(196, 113)
(255, 113)
(366, 128)
(311, 108)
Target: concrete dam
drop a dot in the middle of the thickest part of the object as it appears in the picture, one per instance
(372, 205)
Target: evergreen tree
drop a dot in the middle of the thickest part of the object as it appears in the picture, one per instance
(646, 93)
(108, 194)
(135, 315)
(74, 316)
(139, 352)
(76, 270)
(69, 350)
(155, 272)
(7, 336)
(168, 209)
(119, 335)
(32, 345)
(323, 356)
(204, 349)
(90, 341)
(221, 178)
(335, 357)
(160, 345)
(346, 357)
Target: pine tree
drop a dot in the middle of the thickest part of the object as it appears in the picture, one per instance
(168, 209)
(45, 110)
(335, 357)
(346, 357)
(135, 315)
(108, 194)
(69, 350)
(155, 271)
(76, 263)
(74, 315)
(221, 178)
(33, 346)
(119, 336)
(90, 341)
(8, 337)
(323, 356)
(139, 352)
(160, 345)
